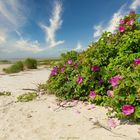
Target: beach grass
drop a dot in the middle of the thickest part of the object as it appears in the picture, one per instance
(5, 93)
(26, 97)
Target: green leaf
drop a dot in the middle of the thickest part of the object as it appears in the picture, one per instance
(137, 112)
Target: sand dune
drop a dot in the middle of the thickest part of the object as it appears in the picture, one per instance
(42, 119)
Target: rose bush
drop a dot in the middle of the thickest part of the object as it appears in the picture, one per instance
(107, 73)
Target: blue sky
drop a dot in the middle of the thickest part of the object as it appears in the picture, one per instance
(47, 28)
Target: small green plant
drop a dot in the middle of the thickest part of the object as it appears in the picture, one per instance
(17, 67)
(5, 93)
(43, 88)
(26, 97)
(30, 63)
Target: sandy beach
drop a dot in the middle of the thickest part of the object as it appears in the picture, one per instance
(44, 119)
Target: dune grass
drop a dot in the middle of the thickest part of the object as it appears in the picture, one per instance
(26, 97)
(30, 63)
(18, 66)
(5, 93)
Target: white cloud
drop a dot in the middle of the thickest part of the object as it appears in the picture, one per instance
(26, 45)
(21, 45)
(135, 4)
(98, 31)
(11, 18)
(79, 47)
(2, 39)
(111, 26)
(11, 15)
(19, 34)
(55, 24)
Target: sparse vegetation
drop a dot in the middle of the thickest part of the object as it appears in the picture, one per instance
(26, 97)
(17, 67)
(30, 63)
(42, 88)
(5, 93)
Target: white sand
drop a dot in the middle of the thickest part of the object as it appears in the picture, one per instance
(39, 119)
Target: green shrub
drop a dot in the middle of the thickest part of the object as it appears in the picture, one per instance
(107, 73)
(73, 55)
(27, 97)
(30, 63)
(17, 67)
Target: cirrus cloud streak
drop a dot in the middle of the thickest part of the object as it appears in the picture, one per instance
(55, 23)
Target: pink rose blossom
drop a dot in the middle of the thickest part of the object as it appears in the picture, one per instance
(121, 29)
(70, 61)
(113, 122)
(80, 79)
(130, 22)
(110, 93)
(115, 80)
(62, 70)
(128, 110)
(54, 71)
(137, 61)
(101, 81)
(122, 21)
(92, 94)
(95, 68)
(75, 66)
